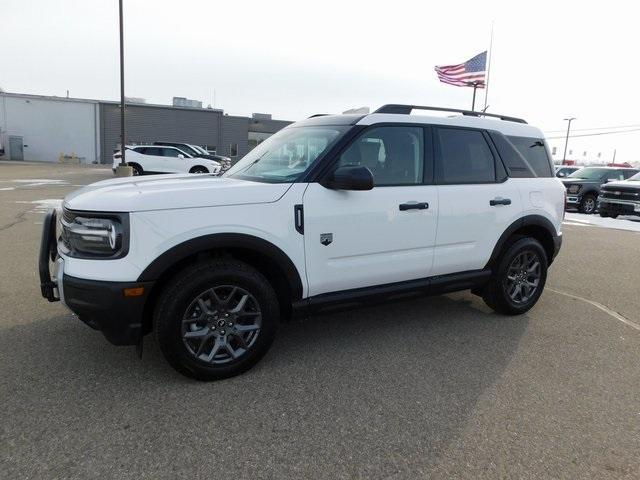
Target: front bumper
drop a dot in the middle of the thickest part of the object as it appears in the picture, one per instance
(103, 306)
(573, 200)
(618, 207)
(100, 304)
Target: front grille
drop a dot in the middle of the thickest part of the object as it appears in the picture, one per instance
(621, 193)
(617, 208)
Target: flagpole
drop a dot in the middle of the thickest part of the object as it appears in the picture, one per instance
(486, 91)
(473, 102)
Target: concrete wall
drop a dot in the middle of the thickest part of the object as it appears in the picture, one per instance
(50, 127)
(90, 129)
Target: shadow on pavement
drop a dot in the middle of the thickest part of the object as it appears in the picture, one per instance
(374, 392)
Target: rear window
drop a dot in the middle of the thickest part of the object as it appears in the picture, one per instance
(534, 151)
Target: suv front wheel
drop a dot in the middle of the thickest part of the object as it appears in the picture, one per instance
(588, 204)
(216, 319)
(518, 279)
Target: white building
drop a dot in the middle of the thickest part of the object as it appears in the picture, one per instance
(35, 127)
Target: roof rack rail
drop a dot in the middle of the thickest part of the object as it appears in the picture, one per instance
(406, 110)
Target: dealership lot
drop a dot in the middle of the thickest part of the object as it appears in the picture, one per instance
(435, 386)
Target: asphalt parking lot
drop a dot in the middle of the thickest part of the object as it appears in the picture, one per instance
(435, 387)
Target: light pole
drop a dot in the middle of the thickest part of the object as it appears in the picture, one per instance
(566, 141)
(123, 170)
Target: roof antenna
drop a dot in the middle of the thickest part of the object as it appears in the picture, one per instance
(484, 110)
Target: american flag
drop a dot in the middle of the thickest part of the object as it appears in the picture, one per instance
(467, 74)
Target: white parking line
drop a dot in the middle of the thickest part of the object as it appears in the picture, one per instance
(600, 306)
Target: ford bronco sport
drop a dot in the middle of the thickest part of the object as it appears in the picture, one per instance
(334, 209)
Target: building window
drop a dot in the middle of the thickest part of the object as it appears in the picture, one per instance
(233, 149)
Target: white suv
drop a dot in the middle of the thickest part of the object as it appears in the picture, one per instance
(164, 159)
(335, 209)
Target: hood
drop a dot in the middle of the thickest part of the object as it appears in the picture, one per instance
(567, 181)
(165, 192)
(623, 183)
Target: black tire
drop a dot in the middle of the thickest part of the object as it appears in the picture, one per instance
(137, 169)
(172, 313)
(604, 215)
(588, 204)
(199, 169)
(496, 293)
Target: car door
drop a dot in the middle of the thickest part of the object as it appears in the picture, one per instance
(175, 160)
(151, 160)
(477, 201)
(356, 239)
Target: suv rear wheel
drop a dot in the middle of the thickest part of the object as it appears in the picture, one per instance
(519, 278)
(216, 319)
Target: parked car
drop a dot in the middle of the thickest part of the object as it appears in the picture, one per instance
(332, 210)
(583, 186)
(198, 151)
(164, 159)
(564, 170)
(620, 198)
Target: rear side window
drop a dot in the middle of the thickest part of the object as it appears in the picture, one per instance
(534, 151)
(629, 173)
(155, 151)
(464, 157)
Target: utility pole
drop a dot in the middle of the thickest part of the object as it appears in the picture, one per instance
(122, 170)
(614, 156)
(566, 142)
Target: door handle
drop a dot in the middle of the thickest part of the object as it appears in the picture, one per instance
(500, 201)
(413, 206)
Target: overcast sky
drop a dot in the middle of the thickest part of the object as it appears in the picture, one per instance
(295, 58)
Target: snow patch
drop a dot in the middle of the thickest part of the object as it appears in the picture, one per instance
(623, 222)
(44, 205)
(39, 182)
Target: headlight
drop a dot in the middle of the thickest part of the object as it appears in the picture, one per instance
(91, 235)
(573, 188)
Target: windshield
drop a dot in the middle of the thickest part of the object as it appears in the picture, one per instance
(199, 150)
(285, 156)
(589, 173)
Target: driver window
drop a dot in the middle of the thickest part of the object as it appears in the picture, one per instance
(393, 154)
(170, 152)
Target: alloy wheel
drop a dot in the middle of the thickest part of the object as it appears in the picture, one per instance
(221, 324)
(589, 205)
(523, 277)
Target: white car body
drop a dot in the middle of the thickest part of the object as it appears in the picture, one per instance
(400, 245)
(165, 159)
(332, 209)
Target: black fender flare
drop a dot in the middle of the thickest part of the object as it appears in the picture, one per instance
(221, 241)
(526, 221)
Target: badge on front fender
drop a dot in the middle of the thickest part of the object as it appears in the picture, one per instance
(326, 238)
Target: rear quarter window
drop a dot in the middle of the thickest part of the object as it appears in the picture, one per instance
(534, 150)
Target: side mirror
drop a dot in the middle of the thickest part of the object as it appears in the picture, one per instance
(180, 155)
(562, 174)
(350, 178)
